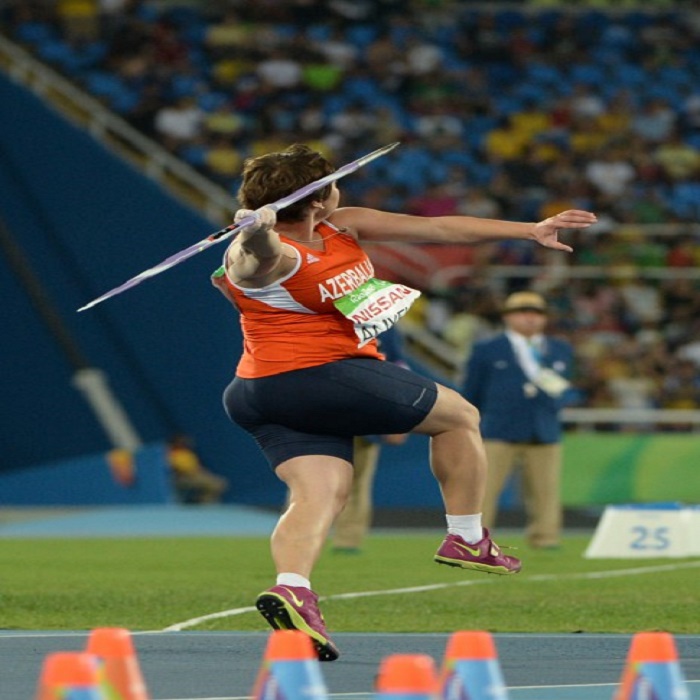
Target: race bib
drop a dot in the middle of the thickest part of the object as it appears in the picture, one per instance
(375, 306)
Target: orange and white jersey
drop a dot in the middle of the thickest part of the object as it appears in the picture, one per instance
(292, 323)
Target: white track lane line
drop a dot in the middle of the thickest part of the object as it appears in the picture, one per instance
(371, 694)
(636, 571)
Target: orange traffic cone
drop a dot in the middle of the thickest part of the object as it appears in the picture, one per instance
(70, 674)
(120, 672)
(470, 669)
(407, 677)
(290, 669)
(652, 669)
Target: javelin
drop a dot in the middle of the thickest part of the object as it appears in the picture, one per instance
(236, 228)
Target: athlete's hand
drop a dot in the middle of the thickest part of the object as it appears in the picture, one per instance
(265, 219)
(546, 232)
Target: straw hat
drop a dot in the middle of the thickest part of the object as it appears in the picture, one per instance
(525, 301)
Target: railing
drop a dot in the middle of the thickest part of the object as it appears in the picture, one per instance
(443, 357)
(120, 137)
(448, 276)
(638, 419)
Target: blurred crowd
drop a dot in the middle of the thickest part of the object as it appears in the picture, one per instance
(637, 342)
(509, 110)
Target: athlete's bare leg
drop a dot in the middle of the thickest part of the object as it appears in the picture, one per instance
(457, 455)
(318, 488)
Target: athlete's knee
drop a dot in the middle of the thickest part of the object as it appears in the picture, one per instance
(342, 496)
(451, 412)
(467, 413)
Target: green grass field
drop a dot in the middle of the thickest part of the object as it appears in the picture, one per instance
(151, 584)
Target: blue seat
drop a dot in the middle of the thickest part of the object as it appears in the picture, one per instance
(688, 191)
(94, 52)
(184, 16)
(412, 157)
(410, 168)
(334, 103)
(618, 36)
(475, 130)
(438, 172)
(532, 92)
(542, 73)
(481, 173)
(72, 60)
(445, 36)
(103, 84)
(507, 20)
(195, 33)
(34, 33)
(502, 74)
(587, 73)
(235, 185)
(185, 85)
(505, 105)
(684, 200)
(606, 55)
(363, 89)
(629, 75)
(318, 32)
(681, 77)
(461, 159)
(452, 62)
(110, 88)
(548, 18)
(693, 139)
(593, 21)
(124, 100)
(284, 31)
(148, 13)
(210, 101)
(361, 34)
(194, 154)
(638, 19)
(401, 33)
(55, 51)
(668, 93)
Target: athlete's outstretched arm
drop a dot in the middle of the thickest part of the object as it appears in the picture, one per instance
(375, 225)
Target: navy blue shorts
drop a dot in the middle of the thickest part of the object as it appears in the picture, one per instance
(318, 411)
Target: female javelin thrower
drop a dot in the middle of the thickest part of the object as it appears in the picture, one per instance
(311, 377)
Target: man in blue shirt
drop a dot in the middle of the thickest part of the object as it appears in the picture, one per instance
(519, 380)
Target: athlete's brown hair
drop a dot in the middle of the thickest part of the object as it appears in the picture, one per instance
(272, 176)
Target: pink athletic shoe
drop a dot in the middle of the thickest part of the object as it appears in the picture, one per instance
(484, 555)
(296, 608)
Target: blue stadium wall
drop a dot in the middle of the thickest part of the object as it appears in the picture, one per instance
(86, 222)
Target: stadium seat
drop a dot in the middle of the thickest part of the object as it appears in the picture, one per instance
(103, 84)
(361, 35)
(55, 51)
(318, 32)
(587, 73)
(35, 33)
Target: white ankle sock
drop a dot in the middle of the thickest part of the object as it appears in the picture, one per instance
(468, 527)
(293, 580)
